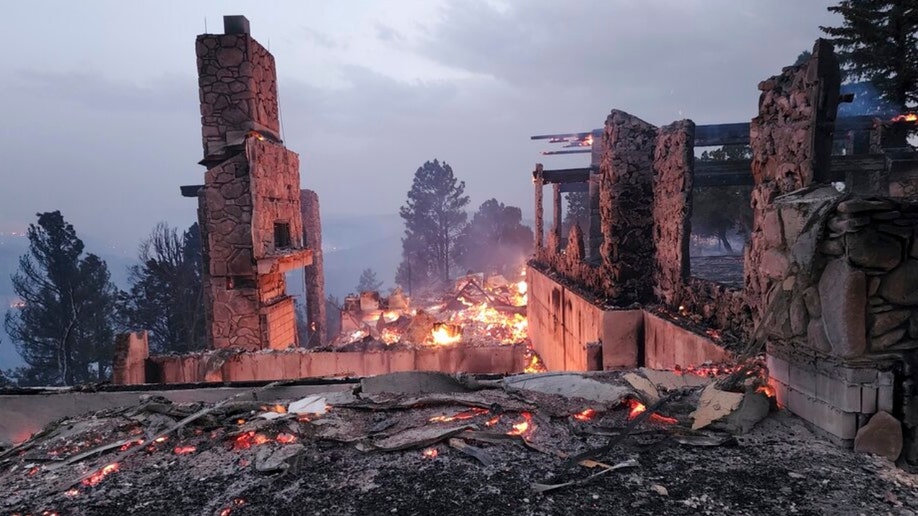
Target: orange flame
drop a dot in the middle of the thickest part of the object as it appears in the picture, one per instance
(445, 334)
(161, 439)
(636, 408)
(535, 364)
(585, 415)
(906, 117)
(523, 427)
(98, 476)
(468, 414)
(430, 453)
(182, 450)
(493, 421)
(767, 390)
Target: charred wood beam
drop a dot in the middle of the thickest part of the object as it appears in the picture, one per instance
(739, 172)
(565, 175)
(191, 190)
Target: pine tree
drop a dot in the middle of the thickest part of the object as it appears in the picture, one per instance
(64, 329)
(368, 281)
(166, 295)
(877, 41)
(578, 211)
(434, 215)
(495, 240)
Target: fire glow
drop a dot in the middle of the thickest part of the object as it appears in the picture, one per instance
(430, 453)
(585, 415)
(184, 450)
(524, 427)
(445, 334)
(98, 476)
(636, 408)
(468, 414)
(906, 117)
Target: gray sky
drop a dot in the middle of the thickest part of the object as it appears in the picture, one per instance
(101, 114)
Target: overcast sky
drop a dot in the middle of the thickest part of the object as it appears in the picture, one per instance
(101, 115)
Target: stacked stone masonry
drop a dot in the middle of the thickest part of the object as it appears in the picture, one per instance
(238, 90)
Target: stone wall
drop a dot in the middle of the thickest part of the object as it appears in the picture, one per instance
(228, 222)
(315, 274)
(275, 191)
(789, 139)
(238, 90)
(673, 164)
(626, 207)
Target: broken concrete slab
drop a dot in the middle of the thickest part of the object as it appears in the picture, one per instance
(644, 386)
(754, 408)
(412, 382)
(714, 404)
(418, 437)
(569, 385)
(671, 380)
(270, 459)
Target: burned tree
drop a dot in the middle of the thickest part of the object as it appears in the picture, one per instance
(434, 216)
(166, 295)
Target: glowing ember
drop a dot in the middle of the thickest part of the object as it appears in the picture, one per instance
(636, 408)
(706, 371)
(284, 438)
(226, 511)
(70, 493)
(33, 471)
(445, 334)
(182, 450)
(126, 446)
(506, 328)
(161, 439)
(767, 390)
(523, 427)
(714, 334)
(430, 453)
(585, 415)
(906, 117)
(468, 414)
(248, 439)
(280, 409)
(493, 421)
(98, 476)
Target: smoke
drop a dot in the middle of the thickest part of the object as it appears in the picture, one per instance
(867, 101)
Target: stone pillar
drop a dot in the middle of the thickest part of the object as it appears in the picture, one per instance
(539, 223)
(315, 273)
(789, 140)
(594, 228)
(626, 208)
(674, 163)
(556, 215)
(131, 353)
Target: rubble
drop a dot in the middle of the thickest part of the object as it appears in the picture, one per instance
(403, 450)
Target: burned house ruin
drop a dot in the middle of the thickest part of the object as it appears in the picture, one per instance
(830, 273)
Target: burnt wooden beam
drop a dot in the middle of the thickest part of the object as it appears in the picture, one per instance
(739, 172)
(191, 190)
(721, 134)
(565, 175)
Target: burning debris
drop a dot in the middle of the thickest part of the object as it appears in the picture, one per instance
(478, 311)
(335, 442)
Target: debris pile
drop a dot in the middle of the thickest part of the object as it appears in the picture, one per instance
(478, 311)
(649, 441)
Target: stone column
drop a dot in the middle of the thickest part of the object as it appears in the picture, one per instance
(539, 224)
(789, 140)
(556, 214)
(674, 163)
(315, 273)
(130, 362)
(626, 208)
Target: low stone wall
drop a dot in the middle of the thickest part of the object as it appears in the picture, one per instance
(668, 345)
(563, 322)
(294, 364)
